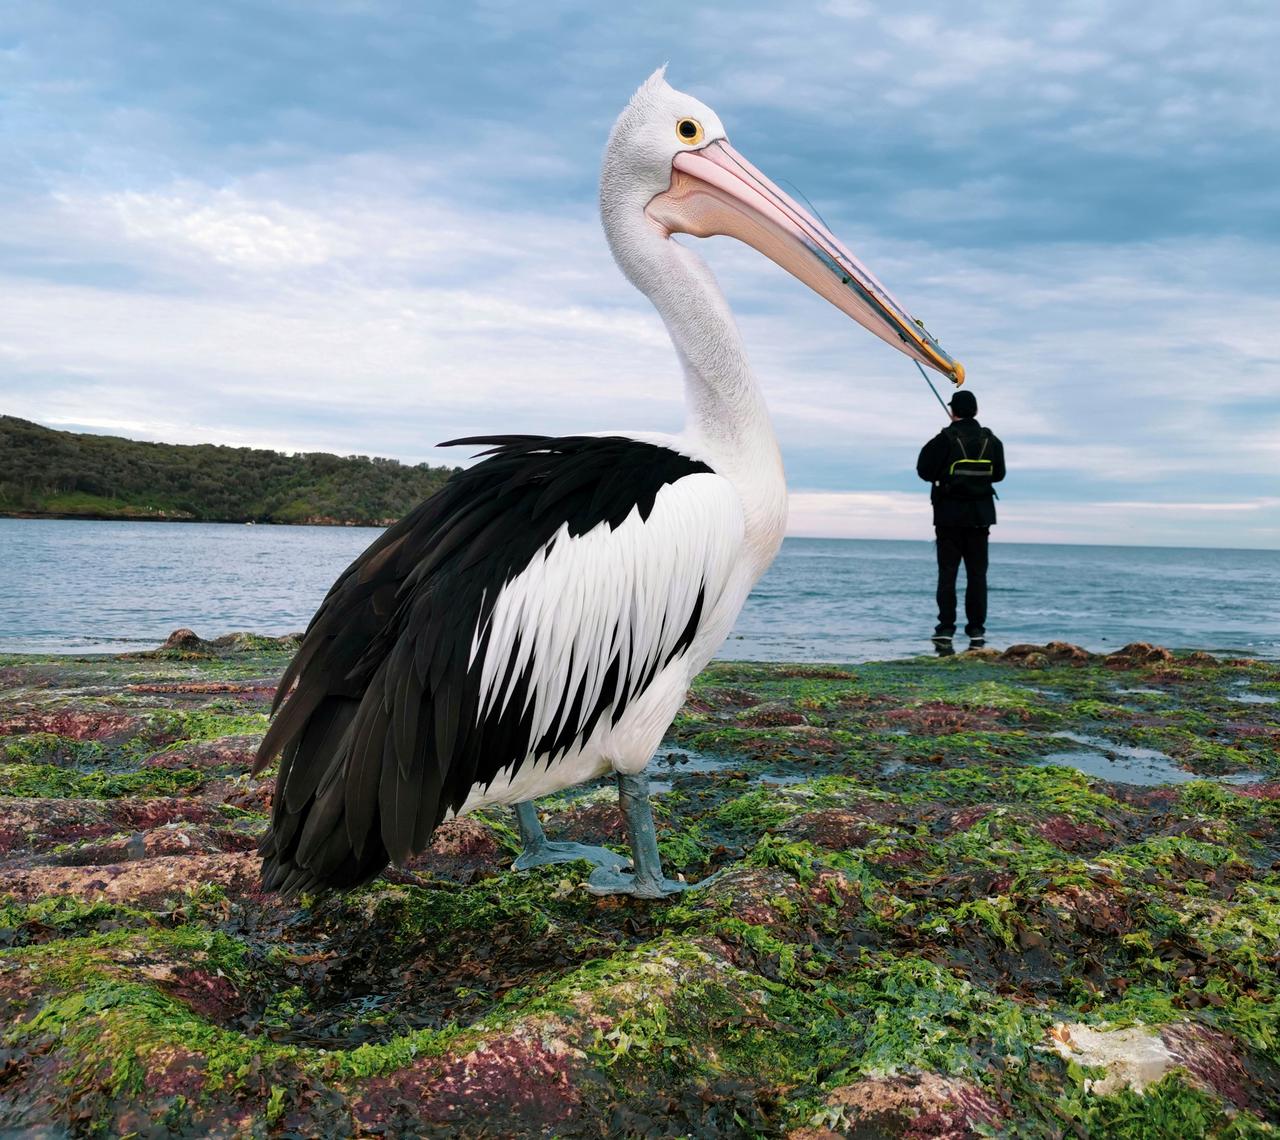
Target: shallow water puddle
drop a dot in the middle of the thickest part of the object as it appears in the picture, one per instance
(670, 762)
(1128, 763)
(674, 760)
(900, 768)
(774, 780)
(1245, 696)
(673, 757)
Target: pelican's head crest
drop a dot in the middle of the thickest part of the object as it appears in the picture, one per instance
(657, 124)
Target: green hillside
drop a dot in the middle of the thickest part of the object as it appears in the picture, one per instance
(66, 474)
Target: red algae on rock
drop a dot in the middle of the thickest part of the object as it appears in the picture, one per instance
(70, 723)
(516, 1084)
(837, 829)
(149, 881)
(1040, 656)
(258, 691)
(1212, 1060)
(921, 1106)
(461, 849)
(934, 718)
(1137, 653)
(1070, 834)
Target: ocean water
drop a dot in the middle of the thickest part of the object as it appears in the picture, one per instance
(73, 586)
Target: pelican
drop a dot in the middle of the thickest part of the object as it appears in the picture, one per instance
(538, 621)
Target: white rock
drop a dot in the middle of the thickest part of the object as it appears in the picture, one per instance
(1134, 1058)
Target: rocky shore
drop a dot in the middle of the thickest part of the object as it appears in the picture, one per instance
(1030, 893)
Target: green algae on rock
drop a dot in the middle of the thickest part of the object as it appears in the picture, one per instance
(924, 885)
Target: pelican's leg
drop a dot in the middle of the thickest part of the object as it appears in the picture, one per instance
(648, 881)
(539, 850)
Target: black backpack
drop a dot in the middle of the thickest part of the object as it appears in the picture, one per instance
(968, 476)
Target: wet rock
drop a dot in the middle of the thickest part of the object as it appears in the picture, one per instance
(962, 820)
(919, 1106)
(1072, 835)
(937, 718)
(1021, 649)
(696, 1016)
(253, 795)
(775, 899)
(1040, 657)
(461, 849)
(1137, 653)
(245, 642)
(772, 714)
(205, 992)
(28, 825)
(236, 753)
(142, 883)
(519, 1083)
(836, 829)
(73, 724)
(731, 698)
(1095, 909)
(806, 739)
(1214, 1062)
(253, 690)
(186, 641)
(170, 839)
(758, 895)
(141, 815)
(1027, 656)
(1133, 1058)
(1140, 797)
(32, 826)
(1063, 652)
(1198, 658)
(597, 823)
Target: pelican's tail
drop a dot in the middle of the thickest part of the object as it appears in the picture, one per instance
(309, 846)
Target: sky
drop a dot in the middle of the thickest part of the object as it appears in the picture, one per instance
(365, 227)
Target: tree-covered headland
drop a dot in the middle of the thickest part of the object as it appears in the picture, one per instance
(62, 474)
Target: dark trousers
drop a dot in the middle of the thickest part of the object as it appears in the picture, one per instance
(966, 544)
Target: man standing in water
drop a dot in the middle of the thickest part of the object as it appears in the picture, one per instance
(962, 462)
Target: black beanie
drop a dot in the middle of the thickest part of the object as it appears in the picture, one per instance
(964, 404)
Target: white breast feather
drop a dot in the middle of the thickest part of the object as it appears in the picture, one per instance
(625, 593)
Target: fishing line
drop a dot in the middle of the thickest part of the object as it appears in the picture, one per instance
(931, 387)
(805, 199)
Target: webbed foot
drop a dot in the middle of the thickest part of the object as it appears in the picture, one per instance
(606, 882)
(546, 853)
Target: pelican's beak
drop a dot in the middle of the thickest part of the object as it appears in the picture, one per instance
(714, 190)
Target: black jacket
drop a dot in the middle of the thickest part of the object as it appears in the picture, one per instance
(935, 459)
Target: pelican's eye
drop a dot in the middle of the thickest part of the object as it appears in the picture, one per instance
(689, 130)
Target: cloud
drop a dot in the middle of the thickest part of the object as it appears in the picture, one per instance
(1252, 523)
(226, 228)
(366, 227)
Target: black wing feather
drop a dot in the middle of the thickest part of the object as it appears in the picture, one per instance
(378, 712)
